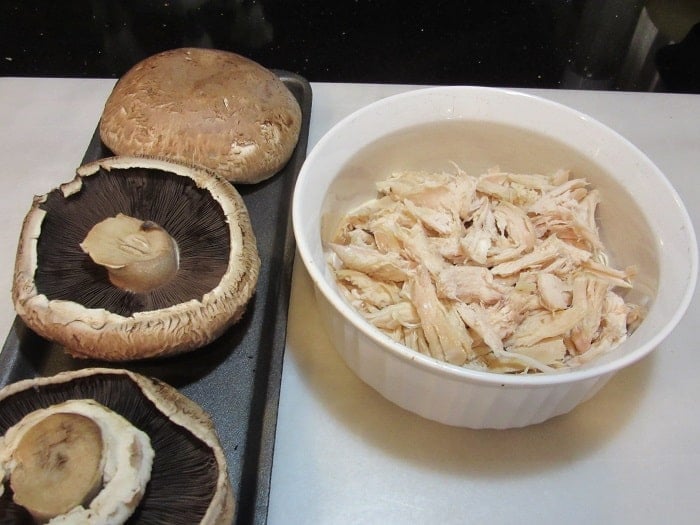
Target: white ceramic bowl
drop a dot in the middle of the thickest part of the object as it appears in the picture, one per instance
(643, 222)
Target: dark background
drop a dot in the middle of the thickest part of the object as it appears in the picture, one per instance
(594, 44)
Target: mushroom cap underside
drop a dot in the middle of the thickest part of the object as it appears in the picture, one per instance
(213, 108)
(189, 479)
(65, 297)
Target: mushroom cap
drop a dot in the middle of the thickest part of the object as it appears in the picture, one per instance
(188, 453)
(209, 107)
(62, 295)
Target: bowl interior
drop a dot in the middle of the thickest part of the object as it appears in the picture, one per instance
(479, 128)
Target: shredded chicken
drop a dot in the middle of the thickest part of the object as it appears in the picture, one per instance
(502, 272)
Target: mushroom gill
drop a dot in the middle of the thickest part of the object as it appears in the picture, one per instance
(197, 226)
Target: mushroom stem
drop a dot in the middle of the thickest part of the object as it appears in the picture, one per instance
(58, 465)
(139, 255)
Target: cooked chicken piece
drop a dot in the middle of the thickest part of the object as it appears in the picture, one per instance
(614, 323)
(568, 226)
(515, 225)
(535, 259)
(503, 272)
(522, 297)
(511, 362)
(442, 222)
(613, 330)
(589, 205)
(560, 176)
(415, 338)
(545, 325)
(468, 284)
(465, 193)
(550, 352)
(480, 234)
(619, 278)
(476, 318)
(552, 291)
(531, 181)
(566, 196)
(437, 191)
(494, 185)
(447, 337)
(384, 232)
(423, 188)
(361, 238)
(566, 187)
(635, 316)
(395, 316)
(364, 290)
(359, 217)
(386, 266)
(576, 255)
(585, 331)
(449, 248)
(417, 248)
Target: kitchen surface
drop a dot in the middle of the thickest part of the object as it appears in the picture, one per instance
(342, 453)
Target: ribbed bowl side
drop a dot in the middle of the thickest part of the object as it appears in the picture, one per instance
(454, 401)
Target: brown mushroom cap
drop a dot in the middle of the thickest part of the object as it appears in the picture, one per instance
(189, 478)
(208, 107)
(64, 296)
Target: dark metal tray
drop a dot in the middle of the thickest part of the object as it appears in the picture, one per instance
(236, 379)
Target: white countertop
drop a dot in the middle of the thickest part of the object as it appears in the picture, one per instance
(345, 455)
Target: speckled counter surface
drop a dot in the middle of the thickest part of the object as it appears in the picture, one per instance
(345, 455)
(629, 455)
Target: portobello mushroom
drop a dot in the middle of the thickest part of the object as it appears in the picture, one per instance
(135, 258)
(209, 107)
(76, 462)
(189, 480)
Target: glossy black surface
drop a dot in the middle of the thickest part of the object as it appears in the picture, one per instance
(590, 44)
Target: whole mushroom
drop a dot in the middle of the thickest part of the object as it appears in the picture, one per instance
(165, 463)
(210, 107)
(76, 461)
(135, 257)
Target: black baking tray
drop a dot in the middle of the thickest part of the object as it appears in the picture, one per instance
(236, 379)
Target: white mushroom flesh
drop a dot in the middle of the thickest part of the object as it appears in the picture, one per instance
(61, 450)
(125, 461)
